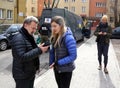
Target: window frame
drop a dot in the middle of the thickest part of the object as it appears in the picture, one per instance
(9, 14)
(2, 11)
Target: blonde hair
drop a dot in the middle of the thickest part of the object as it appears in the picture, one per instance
(104, 17)
(56, 37)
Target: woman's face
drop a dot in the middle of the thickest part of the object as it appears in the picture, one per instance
(104, 21)
(55, 27)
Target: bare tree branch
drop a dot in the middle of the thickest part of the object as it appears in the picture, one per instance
(57, 3)
(45, 4)
(48, 3)
(53, 3)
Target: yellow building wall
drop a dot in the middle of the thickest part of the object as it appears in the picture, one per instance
(25, 9)
(6, 5)
(77, 4)
(20, 11)
(29, 5)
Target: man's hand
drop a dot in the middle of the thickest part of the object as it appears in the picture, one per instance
(43, 48)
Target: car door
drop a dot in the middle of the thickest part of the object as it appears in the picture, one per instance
(12, 30)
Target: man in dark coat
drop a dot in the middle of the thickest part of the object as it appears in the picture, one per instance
(45, 32)
(26, 54)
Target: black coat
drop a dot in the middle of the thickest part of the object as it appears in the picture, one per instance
(45, 29)
(25, 55)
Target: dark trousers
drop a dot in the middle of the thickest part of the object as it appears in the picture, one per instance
(25, 83)
(63, 79)
(103, 50)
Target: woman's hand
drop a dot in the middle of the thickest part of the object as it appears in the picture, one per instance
(52, 65)
(100, 33)
(104, 33)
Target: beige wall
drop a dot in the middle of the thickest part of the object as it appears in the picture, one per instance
(20, 11)
(25, 9)
(111, 14)
(32, 4)
(6, 5)
(77, 4)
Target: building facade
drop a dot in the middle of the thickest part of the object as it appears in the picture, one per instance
(31, 8)
(40, 7)
(97, 8)
(110, 11)
(19, 11)
(79, 7)
(24, 8)
(6, 11)
(43, 4)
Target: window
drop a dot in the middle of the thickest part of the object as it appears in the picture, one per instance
(100, 4)
(104, 4)
(111, 19)
(10, 0)
(84, 0)
(111, 9)
(33, 9)
(2, 13)
(73, 9)
(112, 0)
(66, 0)
(9, 14)
(83, 9)
(73, 0)
(33, 1)
(99, 14)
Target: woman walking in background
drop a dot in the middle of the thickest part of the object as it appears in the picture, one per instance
(62, 52)
(103, 33)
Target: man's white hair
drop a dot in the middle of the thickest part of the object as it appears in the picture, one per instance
(30, 19)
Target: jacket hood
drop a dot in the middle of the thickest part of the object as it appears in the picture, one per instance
(68, 32)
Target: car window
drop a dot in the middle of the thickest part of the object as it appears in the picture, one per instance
(119, 30)
(3, 28)
(12, 29)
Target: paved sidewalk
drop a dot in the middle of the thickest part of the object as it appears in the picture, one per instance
(86, 74)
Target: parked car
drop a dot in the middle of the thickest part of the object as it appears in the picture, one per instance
(116, 33)
(3, 27)
(86, 30)
(7, 34)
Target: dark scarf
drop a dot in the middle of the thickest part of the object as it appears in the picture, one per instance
(103, 25)
(29, 37)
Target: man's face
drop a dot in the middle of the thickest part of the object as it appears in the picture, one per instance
(31, 28)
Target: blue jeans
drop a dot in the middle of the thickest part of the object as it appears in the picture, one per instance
(103, 50)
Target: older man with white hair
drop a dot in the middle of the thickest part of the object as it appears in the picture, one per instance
(26, 54)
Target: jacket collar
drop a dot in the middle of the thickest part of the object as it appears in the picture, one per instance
(29, 37)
